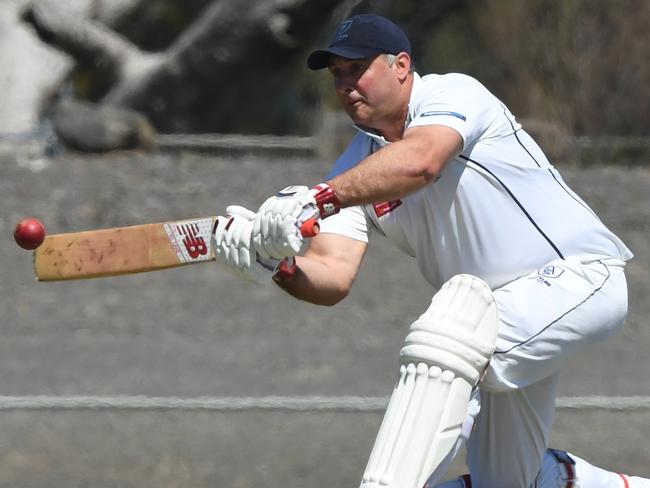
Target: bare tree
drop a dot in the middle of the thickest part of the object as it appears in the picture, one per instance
(231, 69)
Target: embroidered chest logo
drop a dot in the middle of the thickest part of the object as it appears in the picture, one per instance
(384, 208)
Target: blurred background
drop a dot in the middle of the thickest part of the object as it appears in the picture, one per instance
(131, 111)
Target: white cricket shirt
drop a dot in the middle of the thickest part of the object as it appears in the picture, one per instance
(498, 211)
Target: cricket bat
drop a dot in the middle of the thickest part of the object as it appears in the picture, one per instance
(132, 249)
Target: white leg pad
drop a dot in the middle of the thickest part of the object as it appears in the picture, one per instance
(444, 356)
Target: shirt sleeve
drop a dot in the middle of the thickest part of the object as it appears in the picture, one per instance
(459, 102)
(356, 151)
(349, 222)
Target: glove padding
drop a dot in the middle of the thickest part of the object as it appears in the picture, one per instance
(276, 232)
(232, 239)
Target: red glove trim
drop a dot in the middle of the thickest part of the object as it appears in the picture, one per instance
(326, 200)
(286, 269)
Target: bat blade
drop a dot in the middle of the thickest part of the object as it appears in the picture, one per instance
(124, 250)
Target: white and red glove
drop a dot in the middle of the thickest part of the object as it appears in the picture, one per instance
(280, 225)
(232, 239)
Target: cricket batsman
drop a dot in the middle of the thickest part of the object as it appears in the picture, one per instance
(526, 273)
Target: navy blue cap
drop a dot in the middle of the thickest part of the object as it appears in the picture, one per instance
(359, 37)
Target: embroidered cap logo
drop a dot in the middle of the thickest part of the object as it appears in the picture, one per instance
(341, 33)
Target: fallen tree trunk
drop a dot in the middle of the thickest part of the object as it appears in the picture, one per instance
(91, 128)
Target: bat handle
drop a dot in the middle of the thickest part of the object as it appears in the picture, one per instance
(310, 227)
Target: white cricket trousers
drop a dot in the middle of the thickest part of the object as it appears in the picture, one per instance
(544, 318)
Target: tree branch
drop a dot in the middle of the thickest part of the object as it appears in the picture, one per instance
(89, 43)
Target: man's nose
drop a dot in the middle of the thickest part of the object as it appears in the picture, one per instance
(344, 84)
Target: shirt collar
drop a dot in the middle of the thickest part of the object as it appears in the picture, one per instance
(415, 90)
(379, 139)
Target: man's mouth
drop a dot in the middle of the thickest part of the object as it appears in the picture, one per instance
(355, 103)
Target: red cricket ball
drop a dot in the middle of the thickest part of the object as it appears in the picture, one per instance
(29, 233)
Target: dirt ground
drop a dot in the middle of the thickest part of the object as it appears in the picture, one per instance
(198, 331)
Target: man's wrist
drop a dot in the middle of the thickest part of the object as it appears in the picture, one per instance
(326, 200)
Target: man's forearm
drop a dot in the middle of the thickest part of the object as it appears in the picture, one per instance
(315, 283)
(390, 173)
(399, 168)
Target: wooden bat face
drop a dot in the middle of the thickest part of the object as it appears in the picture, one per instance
(124, 250)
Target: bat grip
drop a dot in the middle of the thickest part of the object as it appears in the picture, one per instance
(310, 227)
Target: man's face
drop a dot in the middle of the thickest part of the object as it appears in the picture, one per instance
(366, 88)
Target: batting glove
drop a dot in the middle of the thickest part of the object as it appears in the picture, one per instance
(277, 230)
(232, 238)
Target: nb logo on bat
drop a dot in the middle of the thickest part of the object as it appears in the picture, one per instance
(194, 244)
(190, 239)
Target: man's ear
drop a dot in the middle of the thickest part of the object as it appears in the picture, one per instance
(402, 65)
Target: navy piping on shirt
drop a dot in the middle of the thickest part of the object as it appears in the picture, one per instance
(561, 316)
(514, 131)
(519, 204)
